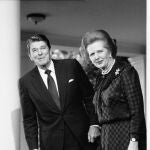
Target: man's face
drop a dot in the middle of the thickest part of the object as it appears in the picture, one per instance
(40, 53)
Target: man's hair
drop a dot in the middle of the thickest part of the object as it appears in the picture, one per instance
(36, 38)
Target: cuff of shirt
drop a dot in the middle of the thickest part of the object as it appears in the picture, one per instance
(134, 136)
(95, 126)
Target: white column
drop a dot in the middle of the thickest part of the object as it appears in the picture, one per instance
(148, 74)
(9, 74)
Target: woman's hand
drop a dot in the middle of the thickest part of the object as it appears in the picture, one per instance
(133, 145)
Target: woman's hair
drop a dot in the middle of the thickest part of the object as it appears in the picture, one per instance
(36, 38)
(102, 35)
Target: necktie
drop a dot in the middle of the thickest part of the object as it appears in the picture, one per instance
(52, 88)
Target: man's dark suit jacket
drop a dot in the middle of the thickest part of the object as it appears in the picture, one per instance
(41, 114)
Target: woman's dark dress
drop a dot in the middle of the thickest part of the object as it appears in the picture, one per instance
(119, 104)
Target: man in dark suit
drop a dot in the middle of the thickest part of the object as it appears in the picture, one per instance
(65, 120)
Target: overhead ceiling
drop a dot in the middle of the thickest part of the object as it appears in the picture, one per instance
(67, 20)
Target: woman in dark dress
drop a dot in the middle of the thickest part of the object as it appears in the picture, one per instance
(118, 97)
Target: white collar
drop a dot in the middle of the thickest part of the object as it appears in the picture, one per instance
(51, 67)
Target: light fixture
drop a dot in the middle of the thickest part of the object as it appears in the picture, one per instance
(36, 17)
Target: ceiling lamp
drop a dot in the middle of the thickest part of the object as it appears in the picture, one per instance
(36, 17)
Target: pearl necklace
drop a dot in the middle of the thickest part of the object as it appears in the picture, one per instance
(107, 70)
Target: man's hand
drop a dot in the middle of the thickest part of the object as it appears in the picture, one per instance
(133, 145)
(93, 133)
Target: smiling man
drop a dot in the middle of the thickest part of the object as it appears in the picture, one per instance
(56, 100)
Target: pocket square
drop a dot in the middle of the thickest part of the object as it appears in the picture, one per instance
(71, 80)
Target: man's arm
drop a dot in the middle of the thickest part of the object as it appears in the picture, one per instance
(29, 117)
(88, 93)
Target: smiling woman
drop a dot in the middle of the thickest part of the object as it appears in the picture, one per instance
(100, 55)
(118, 97)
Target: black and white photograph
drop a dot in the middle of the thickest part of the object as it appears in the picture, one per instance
(74, 75)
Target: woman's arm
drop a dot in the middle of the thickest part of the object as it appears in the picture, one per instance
(132, 89)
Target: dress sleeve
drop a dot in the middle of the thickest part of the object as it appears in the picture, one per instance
(29, 117)
(133, 93)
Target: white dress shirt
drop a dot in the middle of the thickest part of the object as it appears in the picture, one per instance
(44, 76)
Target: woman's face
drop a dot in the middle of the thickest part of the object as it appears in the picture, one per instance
(99, 54)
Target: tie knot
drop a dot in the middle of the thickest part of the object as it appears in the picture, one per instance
(48, 72)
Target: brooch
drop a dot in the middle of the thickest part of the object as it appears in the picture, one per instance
(117, 71)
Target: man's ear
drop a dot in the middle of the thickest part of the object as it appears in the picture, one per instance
(30, 57)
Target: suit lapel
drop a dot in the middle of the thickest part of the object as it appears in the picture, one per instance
(39, 85)
(61, 76)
